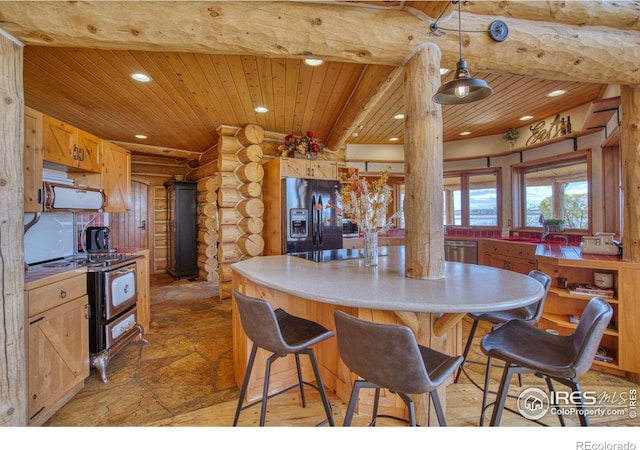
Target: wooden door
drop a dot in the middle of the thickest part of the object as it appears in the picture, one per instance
(132, 229)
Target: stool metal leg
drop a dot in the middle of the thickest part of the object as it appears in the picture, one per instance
(352, 401)
(300, 383)
(467, 347)
(321, 389)
(438, 406)
(485, 391)
(245, 383)
(376, 402)
(265, 388)
(501, 397)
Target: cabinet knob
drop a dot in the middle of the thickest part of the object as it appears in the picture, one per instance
(63, 294)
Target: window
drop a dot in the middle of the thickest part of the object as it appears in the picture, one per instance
(556, 189)
(471, 199)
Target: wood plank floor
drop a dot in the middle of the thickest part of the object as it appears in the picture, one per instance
(184, 378)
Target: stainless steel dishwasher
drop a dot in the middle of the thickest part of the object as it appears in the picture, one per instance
(461, 251)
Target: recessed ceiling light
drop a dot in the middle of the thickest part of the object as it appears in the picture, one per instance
(399, 116)
(557, 92)
(526, 117)
(313, 62)
(141, 136)
(142, 77)
(465, 133)
(443, 71)
(393, 139)
(261, 109)
(354, 134)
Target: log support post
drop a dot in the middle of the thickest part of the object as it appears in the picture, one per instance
(423, 206)
(13, 393)
(630, 156)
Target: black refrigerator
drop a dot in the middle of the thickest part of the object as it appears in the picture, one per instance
(311, 220)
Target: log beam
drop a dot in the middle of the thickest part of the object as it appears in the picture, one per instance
(335, 32)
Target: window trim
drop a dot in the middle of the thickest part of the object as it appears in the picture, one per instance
(517, 177)
(464, 196)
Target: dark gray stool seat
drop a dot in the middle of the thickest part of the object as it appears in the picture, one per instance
(388, 356)
(282, 334)
(525, 348)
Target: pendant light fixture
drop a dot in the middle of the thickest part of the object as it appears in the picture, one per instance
(463, 88)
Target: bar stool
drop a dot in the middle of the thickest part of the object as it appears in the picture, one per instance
(527, 349)
(530, 313)
(387, 356)
(282, 334)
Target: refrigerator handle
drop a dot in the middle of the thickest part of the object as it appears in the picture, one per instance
(313, 224)
(320, 219)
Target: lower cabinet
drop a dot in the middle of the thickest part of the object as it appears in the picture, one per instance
(57, 345)
(617, 353)
(510, 256)
(143, 303)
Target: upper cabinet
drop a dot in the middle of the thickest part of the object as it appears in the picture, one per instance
(67, 145)
(32, 159)
(308, 168)
(116, 177)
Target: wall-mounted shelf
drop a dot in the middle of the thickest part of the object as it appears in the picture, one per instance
(600, 113)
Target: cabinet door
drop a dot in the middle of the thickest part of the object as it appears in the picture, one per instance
(58, 353)
(89, 152)
(294, 168)
(32, 159)
(323, 170)
(59, 142)
(116, 177)
(143, 304)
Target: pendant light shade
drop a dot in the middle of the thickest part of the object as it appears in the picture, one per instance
(463, 88)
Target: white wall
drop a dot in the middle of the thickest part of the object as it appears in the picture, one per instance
(375, 158)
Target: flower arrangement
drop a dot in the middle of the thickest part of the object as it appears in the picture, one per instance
(305, 146)
(366, 203)
(511, 135)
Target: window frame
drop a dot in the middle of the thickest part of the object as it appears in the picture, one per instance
(518, 188)
(464, 196)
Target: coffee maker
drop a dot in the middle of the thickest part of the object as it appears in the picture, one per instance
(97, 240)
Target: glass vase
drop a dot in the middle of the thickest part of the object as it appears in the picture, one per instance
(370, 248)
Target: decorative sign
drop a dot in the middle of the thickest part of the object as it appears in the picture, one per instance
(540, 134)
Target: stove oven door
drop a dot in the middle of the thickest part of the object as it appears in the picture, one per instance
(120, 290)
(121, 327)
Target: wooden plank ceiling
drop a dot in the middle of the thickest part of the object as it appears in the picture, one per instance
(192, 94)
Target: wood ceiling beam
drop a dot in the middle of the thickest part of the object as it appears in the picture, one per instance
(372, 86)
(335, 32)
(158, 151)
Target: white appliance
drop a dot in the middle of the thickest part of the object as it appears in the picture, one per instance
(599, 244)
(60, 197)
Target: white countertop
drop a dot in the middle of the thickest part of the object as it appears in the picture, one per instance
(464, 288)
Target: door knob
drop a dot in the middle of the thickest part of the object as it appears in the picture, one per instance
(143, 225)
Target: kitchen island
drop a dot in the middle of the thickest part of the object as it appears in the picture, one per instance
(433, 309)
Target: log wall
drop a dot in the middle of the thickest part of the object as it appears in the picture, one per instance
(230, 205)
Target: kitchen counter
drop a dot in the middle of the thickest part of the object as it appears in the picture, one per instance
(433, 309)
(385, 287)
(39, 276)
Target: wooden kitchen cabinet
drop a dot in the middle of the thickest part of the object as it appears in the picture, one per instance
(67, 145)
(143, 303)
(620, 338)
(308, 168)
(517, 257)
(32, 162)
(57, 341)
(116, 177)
